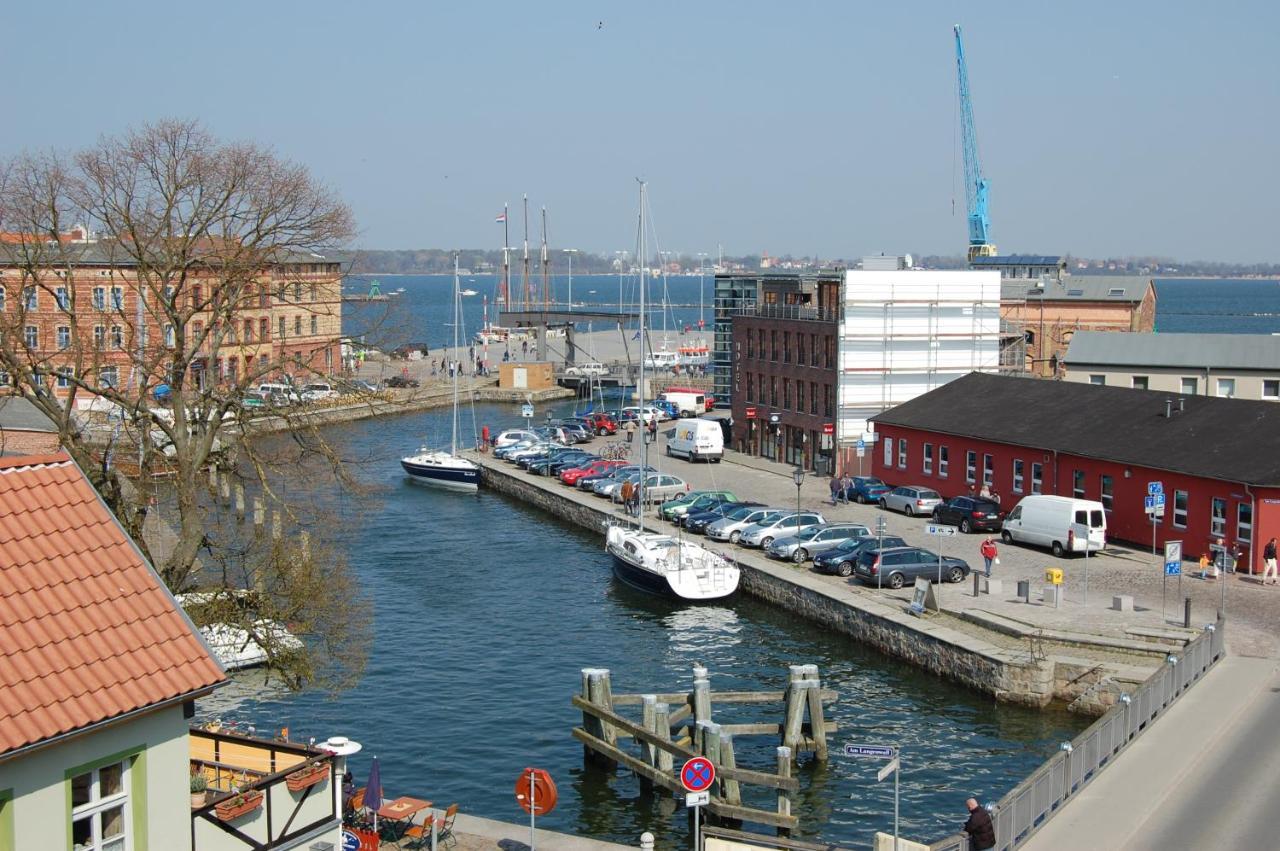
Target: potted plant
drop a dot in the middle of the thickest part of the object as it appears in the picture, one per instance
(238, 804)
(308, 775)
(199, 785)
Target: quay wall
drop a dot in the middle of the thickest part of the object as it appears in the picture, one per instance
(1012, 677)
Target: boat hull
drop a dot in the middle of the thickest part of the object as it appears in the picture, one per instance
(635, 575)
(641, 579)
(449, 478)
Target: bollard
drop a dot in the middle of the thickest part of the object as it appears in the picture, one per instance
(1186, 613)
(646, 841)
(1024, 590)
(975, 585)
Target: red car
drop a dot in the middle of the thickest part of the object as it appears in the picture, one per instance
(602, 423)
(571, 475)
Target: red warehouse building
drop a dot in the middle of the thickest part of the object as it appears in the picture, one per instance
(1217, 459)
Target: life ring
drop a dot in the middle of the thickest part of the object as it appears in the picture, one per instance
(535, 788)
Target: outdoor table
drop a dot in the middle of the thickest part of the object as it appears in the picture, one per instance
(399, 813)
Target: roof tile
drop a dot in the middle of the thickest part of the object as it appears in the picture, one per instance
(87, 630)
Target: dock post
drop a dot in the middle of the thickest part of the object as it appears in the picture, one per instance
(784, 797)
(597, 682)
(259, 512)
(794, 697)
(277, 528)
(304, 543)
(662, 726)
(224, 481)
(817, 723)
(731, 789)
(710, 735)
(213, 479)
(239, 502)
(648, 718)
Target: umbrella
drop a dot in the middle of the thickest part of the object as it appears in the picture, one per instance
(373, 792)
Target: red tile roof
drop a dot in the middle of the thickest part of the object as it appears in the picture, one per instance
(87, 629)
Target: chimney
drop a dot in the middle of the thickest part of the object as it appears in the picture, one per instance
(1182, 404)
(1168, 408)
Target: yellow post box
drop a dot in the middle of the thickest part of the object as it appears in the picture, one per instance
(1053, 575)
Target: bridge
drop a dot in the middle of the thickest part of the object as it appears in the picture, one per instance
(541, 320)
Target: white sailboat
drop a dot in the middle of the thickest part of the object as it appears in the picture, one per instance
(654, 562)
(438, 468)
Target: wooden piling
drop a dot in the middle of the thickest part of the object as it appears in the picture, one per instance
(259, 512)
(239, 502)
(817, 723)
(793, 719)
(648, 752)
(224, 486)
(701, 706)
(662, 727)
(731, 790)
(784, 796)
(598, 693)
(709, 733)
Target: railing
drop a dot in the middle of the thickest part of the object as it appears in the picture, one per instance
(1035, 800)
(794, 311)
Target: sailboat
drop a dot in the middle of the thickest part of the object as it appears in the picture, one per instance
(446, 469)
(654, 562)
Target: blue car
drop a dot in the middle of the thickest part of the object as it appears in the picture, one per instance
(866, 490)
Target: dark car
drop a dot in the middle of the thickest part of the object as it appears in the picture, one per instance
(896, 566)
(553, 465)
(866, 490)
(401, 381)
(970, 513)
(841, 560)
(625, 419)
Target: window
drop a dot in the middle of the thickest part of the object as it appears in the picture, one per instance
(813, 398)
(1, 299)
(264, 329)
(773, 391)
(786, 393)
(827, 406)
(902, 453)
(988, 469)
(1270, 386)
(800, 348)
(1226, 387)
(1140, 382)
(281, 327)
(813, 350)
(1017, 475)
(1217, 516)
(927, 464)
(264, 296)
(786, 347)
(99, 336)
(117, 337)
(60, 295)
(888, 451)
(64, 337)
(100, 812)
(971, 466)
(1037, 477)
(169, 337)
(773, 345)
(313, 292)
(248, 330)
(297, 291)
(30, 298)
(1097, 379)
(1190, 386)
(117, 298)
(109, 376)
(751, 345)
(315, 327)
(196, 293)
(65, 375)
(99, 298)
(751, 383)
(942, 461)
(799, 385)
(297, 326)
(1244, 522)
(31, 336)
(1104, 482)
(1180, 509)
(1077, 484)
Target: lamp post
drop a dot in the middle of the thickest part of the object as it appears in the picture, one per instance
(571, 252)
(797, 476)
(702, 282)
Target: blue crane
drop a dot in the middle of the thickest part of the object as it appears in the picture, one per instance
(975, 185)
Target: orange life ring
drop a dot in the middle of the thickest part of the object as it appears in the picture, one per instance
(536, 785)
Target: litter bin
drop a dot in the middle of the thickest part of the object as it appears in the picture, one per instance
(1024, 590)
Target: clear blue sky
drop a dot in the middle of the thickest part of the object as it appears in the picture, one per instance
(812, 127)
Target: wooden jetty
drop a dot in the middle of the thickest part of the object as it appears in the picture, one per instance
(676, 727)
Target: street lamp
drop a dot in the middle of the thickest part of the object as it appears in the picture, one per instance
(571, 252)
(702, 282)
(797, 476)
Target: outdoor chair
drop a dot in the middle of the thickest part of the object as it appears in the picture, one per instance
(355, 814)
(419, 835)
(444, 833)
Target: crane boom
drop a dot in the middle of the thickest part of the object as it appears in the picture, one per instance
(975, 185)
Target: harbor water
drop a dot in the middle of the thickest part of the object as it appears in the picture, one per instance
(484, 611)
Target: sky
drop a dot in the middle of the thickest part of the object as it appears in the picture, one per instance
(810, 128)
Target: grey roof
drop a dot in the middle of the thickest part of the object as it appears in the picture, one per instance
(1233, 440)
(1018, 260)
(107, 253)
(1128, 288)
(18, 414)
(1196, 351)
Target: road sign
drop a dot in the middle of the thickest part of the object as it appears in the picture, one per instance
(1154, 488)
(870, 751)
(1172, 568)
(697, 774)
(697, 799)
(828, 428)
(1154, 504)
(751, 412)
(861, 450)
(944, 531)
(526, 411)
(889, 768)
(1172, 558)
(861, 444)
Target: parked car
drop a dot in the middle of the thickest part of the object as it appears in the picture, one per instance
(763, 533)
(618, 473)
(911, 500)
(576, 431)
(284, 391)
(571, 475)
(896, 566)
(866, 490)
(602, 423)
(668, 410)
(651, 414)
(841, 560)
(660, 487)
(729, 528)
(553, 465)
(317, 390)
(627, 418)
(586, 369)
(970, 513)
(527, 443)
(678, 507)
(357, 386)
(810, 542)
(400, 381)
(698, 523)
(512, 435)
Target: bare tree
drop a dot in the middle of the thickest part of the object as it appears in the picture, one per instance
(149, 284)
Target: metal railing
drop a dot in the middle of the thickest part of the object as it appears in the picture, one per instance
(795, 311)
(1025, 809)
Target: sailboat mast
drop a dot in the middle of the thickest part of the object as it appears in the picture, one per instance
(524, 271)
(644, 425)
(457, 321)
(546, 291)
(504, 293)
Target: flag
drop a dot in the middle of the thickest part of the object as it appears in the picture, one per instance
(502, 217)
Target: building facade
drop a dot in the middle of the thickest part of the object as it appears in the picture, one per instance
(1217, 460)
(1232, 366)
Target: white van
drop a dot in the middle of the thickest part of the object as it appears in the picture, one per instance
(1061, 523)
(688, 404)
(696, 440)
(661, 359)
(286, 391)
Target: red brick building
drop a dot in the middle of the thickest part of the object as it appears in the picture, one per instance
(1218, 460)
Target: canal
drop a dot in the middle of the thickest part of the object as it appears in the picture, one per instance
(485, 610)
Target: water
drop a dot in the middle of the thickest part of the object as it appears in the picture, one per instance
(484, 612)
(1218, 306)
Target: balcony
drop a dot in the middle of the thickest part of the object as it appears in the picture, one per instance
(792, 311)
(262, 794)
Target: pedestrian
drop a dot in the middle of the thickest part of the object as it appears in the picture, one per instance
(1269, 560)
(835, 489)
(1221, 561)
(846, 486)
(626, 496)
(985, 493)
(990, 554)
(1206, 564)
(982, 833)
(995, 497)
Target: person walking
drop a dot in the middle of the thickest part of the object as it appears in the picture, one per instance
(989, 553)
(835, 489)
(982, 833)
(1269, 562)
(846, 485)
(626, 496)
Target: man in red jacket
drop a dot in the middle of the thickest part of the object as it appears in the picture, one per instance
(989, 552)
(982, 833)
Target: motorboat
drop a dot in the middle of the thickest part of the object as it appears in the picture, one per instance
(232, 644)
(662, 564)
(470, 292)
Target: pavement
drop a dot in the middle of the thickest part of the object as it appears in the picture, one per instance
(1203, 776)
(480, 834)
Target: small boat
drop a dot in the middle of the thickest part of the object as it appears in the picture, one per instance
(470, 292)
(671, 567)
(234, 646)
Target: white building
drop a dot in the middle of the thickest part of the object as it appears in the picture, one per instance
(906, 332)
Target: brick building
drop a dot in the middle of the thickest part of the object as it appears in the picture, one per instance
(1217, 459)
(24, 429)
(88, 312)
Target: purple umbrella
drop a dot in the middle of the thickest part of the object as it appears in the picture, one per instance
(373, 792)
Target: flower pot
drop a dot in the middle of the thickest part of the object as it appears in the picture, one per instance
(197, 799)
(304, 777)
(237, 806)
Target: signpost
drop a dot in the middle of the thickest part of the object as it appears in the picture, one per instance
(893, 766)
(1153, 505)
(696, 776)
(861, 447)
(536, 794)
(526, 411)
(1173, 564)
(942, 532)
(881, 528)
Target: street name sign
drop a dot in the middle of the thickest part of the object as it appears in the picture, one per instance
(870, 751)
(889, 768)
